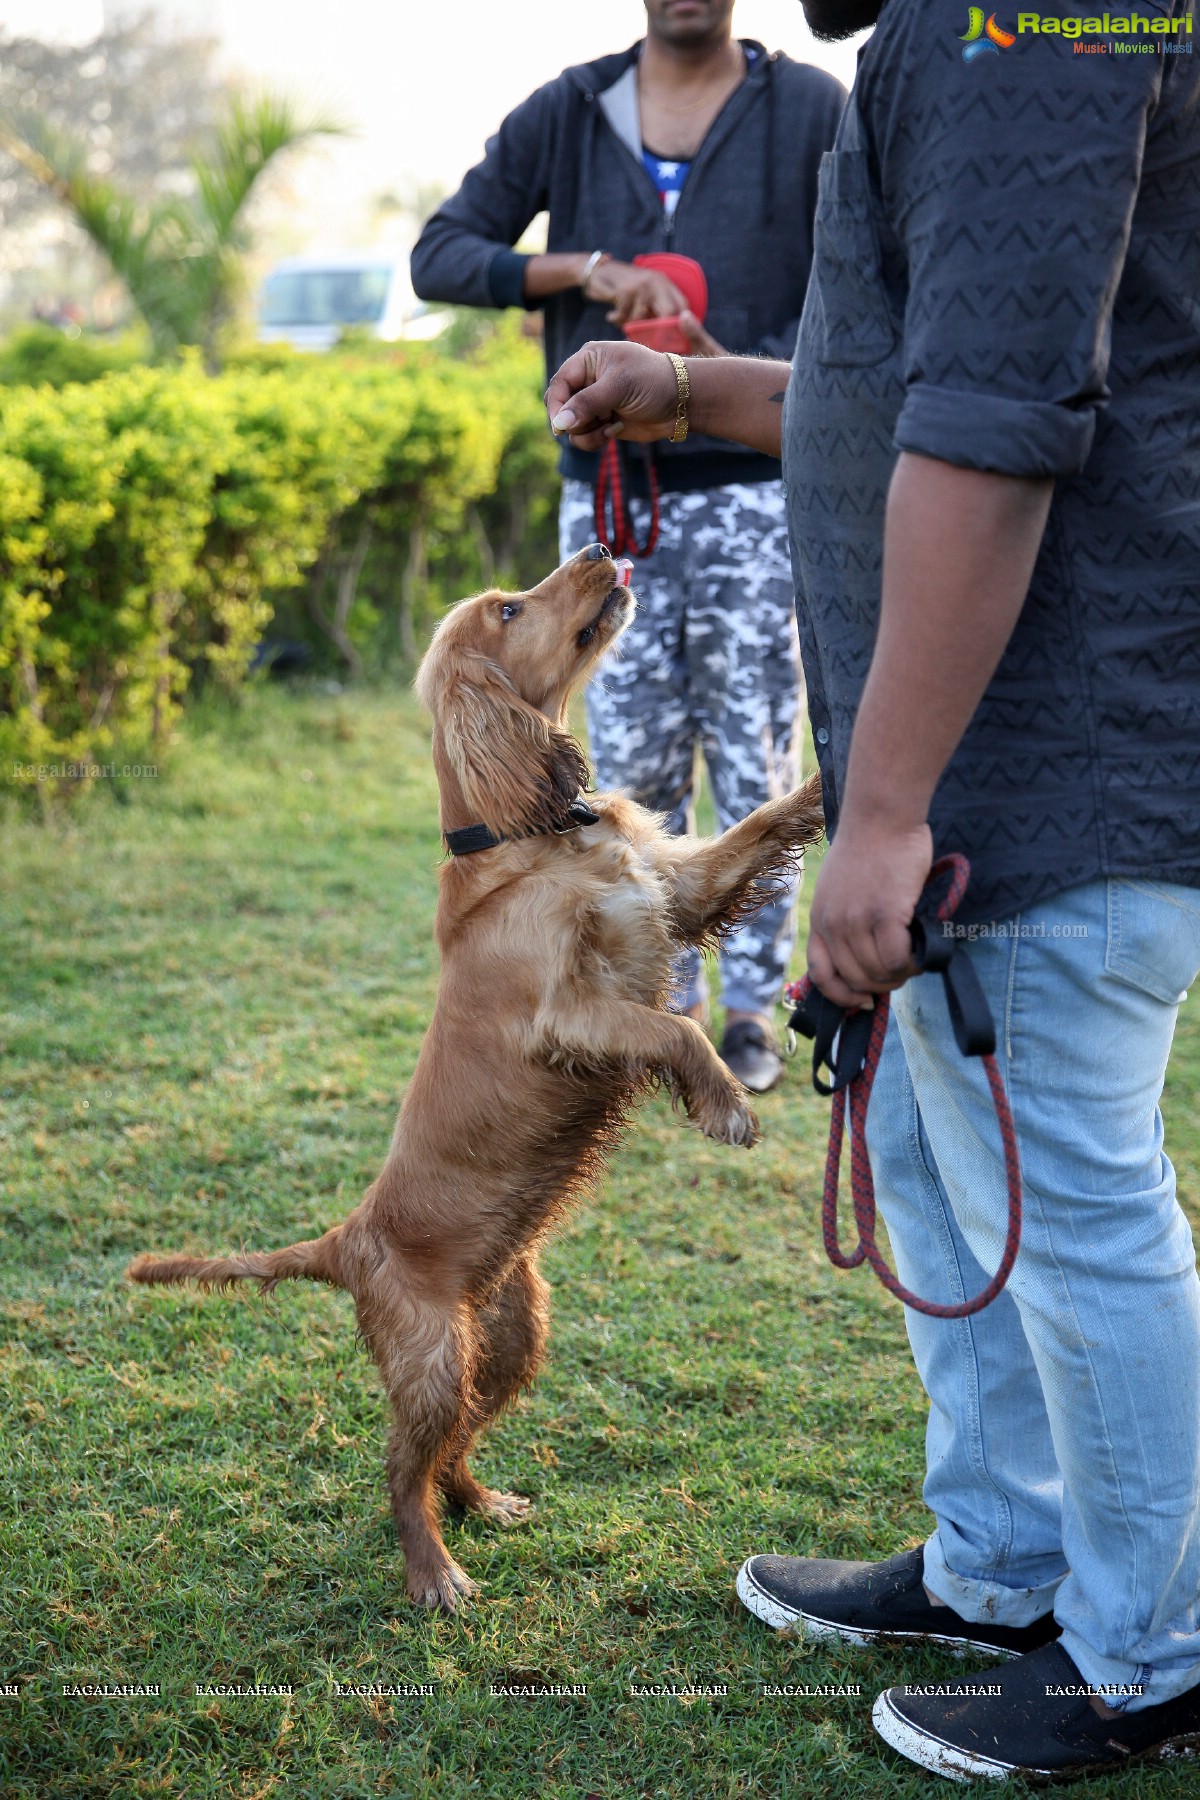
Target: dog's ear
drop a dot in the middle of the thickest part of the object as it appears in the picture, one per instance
(518, 771)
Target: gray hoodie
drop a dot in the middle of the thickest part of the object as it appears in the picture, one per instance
(745, 214)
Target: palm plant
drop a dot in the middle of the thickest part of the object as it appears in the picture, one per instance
(180, 258)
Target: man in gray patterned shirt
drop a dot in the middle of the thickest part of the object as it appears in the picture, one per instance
(991, 447)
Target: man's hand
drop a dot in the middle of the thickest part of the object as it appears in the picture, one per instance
(700, 342)
(611, 390)
(634, 293)
(866, 894)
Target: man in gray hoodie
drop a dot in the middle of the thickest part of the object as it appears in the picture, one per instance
(696, 142)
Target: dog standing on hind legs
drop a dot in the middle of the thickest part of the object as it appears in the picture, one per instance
(557, 924)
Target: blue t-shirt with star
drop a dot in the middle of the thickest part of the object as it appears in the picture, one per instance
(669, 175)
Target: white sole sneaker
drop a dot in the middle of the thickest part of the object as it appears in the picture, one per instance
(779, 1617)
(934, 1754)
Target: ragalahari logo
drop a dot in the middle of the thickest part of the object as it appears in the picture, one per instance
(984, 38)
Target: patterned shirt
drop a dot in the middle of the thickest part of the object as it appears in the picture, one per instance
(1007, 277)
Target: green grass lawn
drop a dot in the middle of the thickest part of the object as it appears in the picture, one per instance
(212, 997)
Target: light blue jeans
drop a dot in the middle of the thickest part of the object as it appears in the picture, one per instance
(1063, 1444)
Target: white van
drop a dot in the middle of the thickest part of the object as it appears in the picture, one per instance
(308, 301)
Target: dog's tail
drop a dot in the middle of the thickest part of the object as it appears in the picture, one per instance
(317, 1260)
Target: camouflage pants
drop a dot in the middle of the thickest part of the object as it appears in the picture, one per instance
(711, 659)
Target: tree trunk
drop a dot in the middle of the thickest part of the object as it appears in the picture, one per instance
(166, 605)
(32, 690)
(162, 693)
(483, 543)
(102, 705)
(518, 518)
(411, 581)
(347, 591)
(34, 693)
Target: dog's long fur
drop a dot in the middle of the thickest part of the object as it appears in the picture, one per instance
(550, 1021)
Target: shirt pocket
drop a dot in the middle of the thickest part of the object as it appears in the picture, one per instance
(1153, 937)
(846, 320)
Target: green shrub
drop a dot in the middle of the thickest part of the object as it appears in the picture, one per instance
(468, 500)
(304, 446)
(152, 521)
(39, 353)
(62, 474)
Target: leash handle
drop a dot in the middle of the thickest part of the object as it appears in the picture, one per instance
(610, 493)
(850, 1045)
(937, 953)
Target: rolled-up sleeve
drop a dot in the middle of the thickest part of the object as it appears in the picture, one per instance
(1010, 183)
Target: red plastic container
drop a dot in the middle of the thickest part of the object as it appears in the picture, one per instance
(667, 333)
(659, 334)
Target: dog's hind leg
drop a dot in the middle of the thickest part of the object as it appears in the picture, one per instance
(512, 1330)
(426, 1353)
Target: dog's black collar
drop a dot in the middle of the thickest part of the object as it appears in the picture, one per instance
(478, 837)
(470, 839)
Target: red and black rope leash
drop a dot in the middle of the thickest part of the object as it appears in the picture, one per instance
(617, 532)
(850, 1045)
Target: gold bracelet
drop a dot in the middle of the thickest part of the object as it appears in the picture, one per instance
(683, 393)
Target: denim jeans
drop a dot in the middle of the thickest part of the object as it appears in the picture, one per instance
(1063, 1443)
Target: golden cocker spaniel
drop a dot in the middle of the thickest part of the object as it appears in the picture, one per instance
(557, 923)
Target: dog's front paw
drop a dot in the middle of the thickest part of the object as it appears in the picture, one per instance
(728, 1120)
(741, 1127)
(806, 813)
(440, 1586)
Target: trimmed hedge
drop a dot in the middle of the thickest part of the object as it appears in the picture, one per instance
(38, 353)
(152, 520)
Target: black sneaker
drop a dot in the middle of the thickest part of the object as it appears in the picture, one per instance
(871, 1603)
(1035, 1720)
(749, 1052)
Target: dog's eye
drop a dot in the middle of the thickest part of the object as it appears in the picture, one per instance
(510, 610)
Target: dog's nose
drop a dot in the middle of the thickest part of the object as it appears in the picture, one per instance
(598, 552)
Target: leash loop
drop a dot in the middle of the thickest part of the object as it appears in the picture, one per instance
(617, 533)
(849, 1047)
(970, 1014)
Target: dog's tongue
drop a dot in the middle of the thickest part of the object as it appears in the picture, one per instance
(624, 571)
